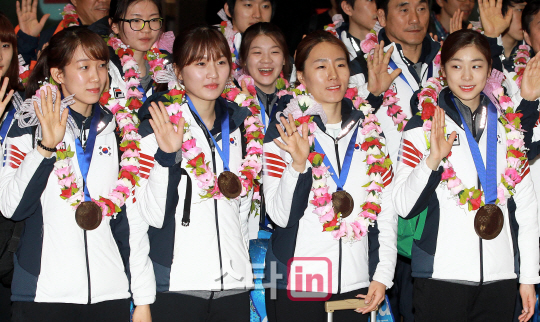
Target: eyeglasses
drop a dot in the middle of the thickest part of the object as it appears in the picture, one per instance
(138, 24)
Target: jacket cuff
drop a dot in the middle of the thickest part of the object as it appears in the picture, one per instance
(167, 159)
(295, 173)
(26, 38)
(144, 300)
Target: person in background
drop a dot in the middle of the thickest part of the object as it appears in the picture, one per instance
(442, 13)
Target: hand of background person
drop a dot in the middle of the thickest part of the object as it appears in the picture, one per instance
(27, 17)
(530, 83)
(142, 314)
(528, 298)
(493, 21)
(5, 101)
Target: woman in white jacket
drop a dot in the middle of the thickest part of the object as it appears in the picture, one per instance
(61, 177)
(199, 209)
(466, 163)
(315, 238)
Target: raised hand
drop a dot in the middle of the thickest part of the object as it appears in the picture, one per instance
(378, 78)
(167, 138)
(27, 16)
(493, 21)
(296, 145)
(530, 83)
(53, 123)
(373, 298)
(6, 100)
(456, 23)
(440, 146)
(434, 37)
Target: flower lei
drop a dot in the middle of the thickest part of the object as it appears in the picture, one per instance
(132, 75)
(337, 21)
(251, 166)
(515, 149)
(377, 163)
(24, 71)
(128, 123)
(523, 55)
(70, 17)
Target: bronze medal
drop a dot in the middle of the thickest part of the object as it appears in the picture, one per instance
(343, 203)
(88, 215)
(229, 185)
(489, 221)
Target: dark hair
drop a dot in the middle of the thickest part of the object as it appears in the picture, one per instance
(270, 30)
(60, 51)
(122, 7)
(193, 43)
(8, 35)
(510, 3)
(531, 9)
(232, 4)
(461, 39)
(310, 41)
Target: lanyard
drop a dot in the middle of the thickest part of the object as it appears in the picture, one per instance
(488, 178)
(84, 157)
(394, 67)
(340, 181)
(6, 124)
(224, 154)
(141, 89)
(263, 114)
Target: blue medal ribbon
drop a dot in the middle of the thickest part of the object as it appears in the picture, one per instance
(141, 89)
(488, 178)
(394, 67)
(263, 114)
(5, 125)
(224, 154)
(84, 157)
(340, 181)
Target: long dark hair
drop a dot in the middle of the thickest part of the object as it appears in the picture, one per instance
(8, 35)
(272, 31)
(193, 43)
(60, 51)
(461, 39)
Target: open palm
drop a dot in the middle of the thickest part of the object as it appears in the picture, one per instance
(378, 78)
(493, 21)
(530, 84)
(168, 139)
(297, 146)
(27, 17)
(440, 147)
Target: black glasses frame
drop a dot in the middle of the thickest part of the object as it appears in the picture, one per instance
(144, 23)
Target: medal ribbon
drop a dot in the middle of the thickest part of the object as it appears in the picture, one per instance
(340, 181)
(5, 125)
(263, 114)
(224, 154)
(488, 178)
(84, 157)
(393, 65)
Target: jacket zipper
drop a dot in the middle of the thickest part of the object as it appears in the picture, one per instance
(213, 149)
(217, 220)
(87, 268)
(340, 242)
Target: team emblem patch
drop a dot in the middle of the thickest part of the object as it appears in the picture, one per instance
(105, 150)
(456, 141)
(357, 146)
(233, 141)
(118, 94)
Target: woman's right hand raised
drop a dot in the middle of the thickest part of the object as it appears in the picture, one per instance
(440, 147)
(168, 139)
(53, 123)
(296, 145)
(27, 17)
(5, 102)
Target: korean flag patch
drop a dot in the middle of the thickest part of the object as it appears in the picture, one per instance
(105, 150)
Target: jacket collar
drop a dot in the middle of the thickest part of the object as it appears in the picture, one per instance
(349, 117)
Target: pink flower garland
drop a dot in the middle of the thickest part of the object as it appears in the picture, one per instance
(515, 149)
(251, 165)
(127, 122)
(377, 164)
(70, 17)
(523, 55)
